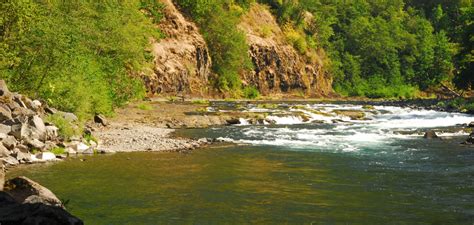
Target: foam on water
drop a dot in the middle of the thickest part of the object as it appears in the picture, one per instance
(384, 126)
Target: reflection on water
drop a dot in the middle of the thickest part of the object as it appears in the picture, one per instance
(314, 171)
(263, 185)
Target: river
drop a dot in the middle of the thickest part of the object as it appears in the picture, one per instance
(320, 168)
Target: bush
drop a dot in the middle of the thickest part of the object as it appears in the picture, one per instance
(58, 151)
(80, 56)
(66, 128)
(251, 92)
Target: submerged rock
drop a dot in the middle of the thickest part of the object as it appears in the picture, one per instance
(353, 114)
(430, 135)
(469, 140)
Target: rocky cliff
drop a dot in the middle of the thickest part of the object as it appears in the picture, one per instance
(278, 66)
(182, 61)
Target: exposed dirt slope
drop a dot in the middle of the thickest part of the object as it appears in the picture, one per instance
(278, 66)
(182, 61)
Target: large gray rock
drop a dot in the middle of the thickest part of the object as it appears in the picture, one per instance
(9, 142)
(10, 161)
(71, 117)
(51, 132)
(4, 152)
(24, 190)
(46, 156)
(12, 212)
(19, 130)
(5, 113)
(35, 143)
(39, 128)
(21, 156)
(22, 112)
(5, 129)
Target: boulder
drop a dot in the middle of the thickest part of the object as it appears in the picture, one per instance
(40, 129)
(24, 190)
(18, 130)
(9, 142)
(5, 129)
(5, 113)
(50, 110)
(4, 88)
(233, 121)
(35, 143)
(82, 148)
(430, 135)
(51, 132)
(22, 112)
(4, 152)
(469, 140)
(10, 161)
(21, 156)
(101, 119)
(45, 156)
(471, 124)
(70, 151)
(12, 212)
(353, 114)
(69, 116)
(22, 148)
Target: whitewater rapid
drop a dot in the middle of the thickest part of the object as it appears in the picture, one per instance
(319, 127)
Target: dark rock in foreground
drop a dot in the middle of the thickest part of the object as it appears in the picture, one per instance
(12, 212)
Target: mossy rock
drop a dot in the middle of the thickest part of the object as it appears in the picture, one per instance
(353, 114)
(369, 107)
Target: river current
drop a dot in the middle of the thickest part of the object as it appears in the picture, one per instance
(306, 164)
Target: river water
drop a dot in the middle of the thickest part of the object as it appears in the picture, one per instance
(314, 166)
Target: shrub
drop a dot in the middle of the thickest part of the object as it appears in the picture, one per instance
(66, 128)
(251, 92)
(58, 151)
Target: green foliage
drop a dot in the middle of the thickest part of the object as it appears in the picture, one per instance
(377, 48)
(58, 151)
(77, 55)
(66, 129)
(89, 137)
(144, 106)
(228, 48)
(200, 102)
(251, 92)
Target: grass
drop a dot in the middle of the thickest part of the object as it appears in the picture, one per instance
(200, 102)
(144, 106)
(89, 138)
(58, 151)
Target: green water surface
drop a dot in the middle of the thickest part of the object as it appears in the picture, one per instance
(260, 185)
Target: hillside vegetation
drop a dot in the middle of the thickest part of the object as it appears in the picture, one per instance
(85, 56)
(77, 55)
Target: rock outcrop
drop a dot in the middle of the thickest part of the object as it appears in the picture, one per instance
(182, 61)
(278, 66)
(26, 202)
